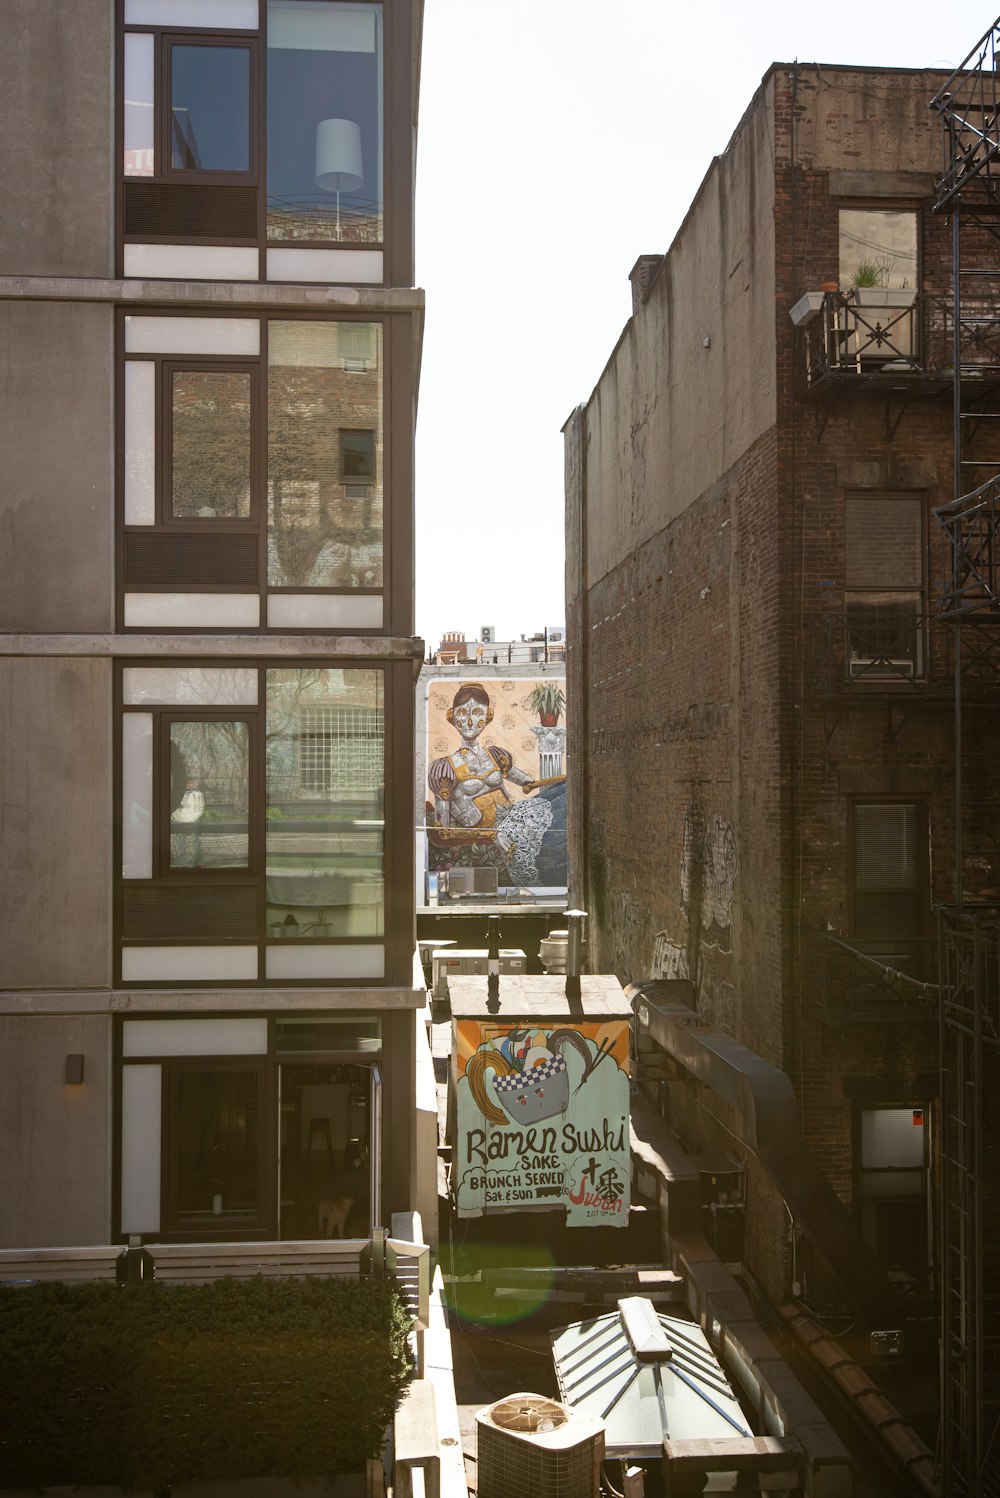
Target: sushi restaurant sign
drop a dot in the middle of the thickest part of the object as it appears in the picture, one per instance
(542, 1119)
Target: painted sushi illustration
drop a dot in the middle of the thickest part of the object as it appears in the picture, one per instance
(530, 1078)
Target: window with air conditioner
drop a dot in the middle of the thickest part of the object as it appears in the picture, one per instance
(883, 587)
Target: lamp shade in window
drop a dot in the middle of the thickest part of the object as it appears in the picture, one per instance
(338, 156)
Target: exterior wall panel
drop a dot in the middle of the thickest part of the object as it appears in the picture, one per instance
(56, 174)
(57, 480)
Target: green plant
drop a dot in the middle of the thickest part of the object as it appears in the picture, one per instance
(150, 1385)
(871, 272)
(548, 697)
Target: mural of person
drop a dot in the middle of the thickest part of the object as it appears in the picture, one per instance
(469, 789)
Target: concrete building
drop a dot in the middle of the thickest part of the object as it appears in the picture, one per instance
(761, 688)
(210, 350)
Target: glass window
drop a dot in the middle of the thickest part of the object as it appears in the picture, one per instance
(883, 592)
(893, 1184)
(140, 123)
(214, 1135)
(209, 795)
(210, 453)
(319, 536)
(357, 456)
(324, 132)
(209, 108)
(888, 878)
(325, 803)
(878, 247)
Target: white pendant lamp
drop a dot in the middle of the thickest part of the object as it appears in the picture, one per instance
(338, 158)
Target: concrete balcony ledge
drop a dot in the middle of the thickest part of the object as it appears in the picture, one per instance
(264, 646)
(244, 294)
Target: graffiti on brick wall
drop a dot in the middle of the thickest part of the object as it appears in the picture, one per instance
(669, 960)
(624, 931)
(708, 873)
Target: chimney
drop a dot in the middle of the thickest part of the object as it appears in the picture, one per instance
(642, 275)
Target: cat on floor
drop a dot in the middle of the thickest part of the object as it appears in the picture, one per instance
(333, 1213)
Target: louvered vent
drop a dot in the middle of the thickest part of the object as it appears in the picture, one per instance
(153, 557)
(190, 210)
(160, 912)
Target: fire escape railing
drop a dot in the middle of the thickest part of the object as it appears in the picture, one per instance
(969, 936)
(969, 106)
(971, 528)
(871, 980)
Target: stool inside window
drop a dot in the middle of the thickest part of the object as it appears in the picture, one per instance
(325, 1151)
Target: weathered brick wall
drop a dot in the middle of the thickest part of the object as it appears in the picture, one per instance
(719, 744)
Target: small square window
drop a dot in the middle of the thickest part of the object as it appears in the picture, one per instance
(357, 456)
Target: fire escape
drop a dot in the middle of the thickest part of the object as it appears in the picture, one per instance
(969, 1136)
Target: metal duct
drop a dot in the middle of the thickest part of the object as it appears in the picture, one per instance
(765, 1101)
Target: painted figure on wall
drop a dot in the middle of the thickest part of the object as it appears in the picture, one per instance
(470, 792)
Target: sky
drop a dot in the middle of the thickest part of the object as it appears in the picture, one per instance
(558, 141)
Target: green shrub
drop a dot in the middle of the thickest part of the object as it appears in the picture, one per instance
(150, 1385)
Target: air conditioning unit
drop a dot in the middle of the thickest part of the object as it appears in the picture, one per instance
(533, 1447)
(488, 634)
(472, 881)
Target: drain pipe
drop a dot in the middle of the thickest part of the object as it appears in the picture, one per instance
(574, 952)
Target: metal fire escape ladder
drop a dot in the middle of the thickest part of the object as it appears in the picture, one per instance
(969, 1016)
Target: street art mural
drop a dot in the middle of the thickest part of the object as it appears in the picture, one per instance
(496, 779)
(542, 1119)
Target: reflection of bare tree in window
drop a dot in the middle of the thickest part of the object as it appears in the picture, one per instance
(211, 444)
(319, 534)
(209, 828)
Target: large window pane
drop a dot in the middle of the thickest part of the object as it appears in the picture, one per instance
(210, 455)
(324, 483)
(209, 795)
(210, 108)
(325, 803)
(324, 135)
(878, 247)
(216, 1129)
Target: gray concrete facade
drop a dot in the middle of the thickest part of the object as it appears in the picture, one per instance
(56, 1184)
(55, 791)
(56, 174)
(57, 482)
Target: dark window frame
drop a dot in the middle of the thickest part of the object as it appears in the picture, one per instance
(395, 468)
(163, 720)
(165, 39)
(167, 367)
(396, 242)
(863, 1200)
(397, 841)
(876, 669)
(264, 1224)
(891, 944)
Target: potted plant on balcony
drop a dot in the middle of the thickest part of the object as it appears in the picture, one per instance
(548, 700)
(870, 286)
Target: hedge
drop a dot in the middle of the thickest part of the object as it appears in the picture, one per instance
(146, 1385)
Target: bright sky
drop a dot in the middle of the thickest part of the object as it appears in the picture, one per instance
(559, 140)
